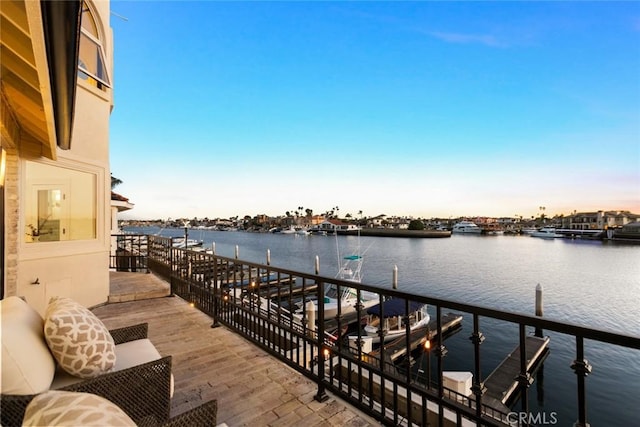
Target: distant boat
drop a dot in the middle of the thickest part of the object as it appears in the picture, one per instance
(393, 325)
(302, 231)
(528, 230)
(546, 232)
(287, 230)
(629, 232)
(466, 227)
(191, 243)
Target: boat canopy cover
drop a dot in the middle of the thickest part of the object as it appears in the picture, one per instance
(394, 307)
(352, 257)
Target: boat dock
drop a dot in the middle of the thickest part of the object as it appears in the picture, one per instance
(417, 337)
(502, 383)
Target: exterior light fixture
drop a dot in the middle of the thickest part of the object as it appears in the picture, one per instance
(3, 166)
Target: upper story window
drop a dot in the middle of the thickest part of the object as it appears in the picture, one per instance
(91, 63)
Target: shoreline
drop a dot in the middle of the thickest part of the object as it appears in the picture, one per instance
(386, 232)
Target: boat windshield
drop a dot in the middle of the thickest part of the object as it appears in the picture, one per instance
(346, 292)
(332, 292)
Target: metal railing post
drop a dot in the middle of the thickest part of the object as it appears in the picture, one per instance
(215, 291)
(524, 379)
(477, 388)
(321, 395)
(582, 368)
(441, 352)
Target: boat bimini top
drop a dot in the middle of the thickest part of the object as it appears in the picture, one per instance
(394, 307)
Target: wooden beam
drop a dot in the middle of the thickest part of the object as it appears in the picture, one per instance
(15, 40)
(16, 65)
(15, 12)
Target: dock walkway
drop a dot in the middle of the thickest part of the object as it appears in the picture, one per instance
(502, 383)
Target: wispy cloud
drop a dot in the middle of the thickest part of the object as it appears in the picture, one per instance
(461, 38)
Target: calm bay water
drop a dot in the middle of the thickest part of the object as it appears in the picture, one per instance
(589, 283)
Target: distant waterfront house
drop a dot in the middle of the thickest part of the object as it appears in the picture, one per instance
(335, 225)
(376, 222)
(119, 203)
(56, 102)
(317, 219)
(599, 220)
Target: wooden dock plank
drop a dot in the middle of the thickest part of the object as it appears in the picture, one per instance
(503, 381)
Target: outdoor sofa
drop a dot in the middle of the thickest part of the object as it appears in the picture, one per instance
(70, 350)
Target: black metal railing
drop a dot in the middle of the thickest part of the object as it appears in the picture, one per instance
(267, 305)
(129, 252)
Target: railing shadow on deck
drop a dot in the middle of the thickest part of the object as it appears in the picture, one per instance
(261, 302)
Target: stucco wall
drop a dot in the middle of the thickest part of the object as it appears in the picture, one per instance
(75, 268)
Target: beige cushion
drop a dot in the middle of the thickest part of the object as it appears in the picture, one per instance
(27, 365)
(128, 355)
(79, 341)
(65, 408)
(135, 353)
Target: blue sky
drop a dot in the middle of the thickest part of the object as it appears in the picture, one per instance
(399, 108)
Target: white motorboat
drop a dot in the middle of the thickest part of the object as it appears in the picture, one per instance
(179, 242)
(546, 232)
(528, 230)
(300, 231)
(349, 269)
(466, 227)
(345, 297)
(288, 230)
(392, 320)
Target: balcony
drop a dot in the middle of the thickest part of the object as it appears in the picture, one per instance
(251, 386)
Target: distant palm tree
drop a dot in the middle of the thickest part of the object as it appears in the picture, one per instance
(115, 182)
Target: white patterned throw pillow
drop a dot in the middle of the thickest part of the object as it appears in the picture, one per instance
(66, 408)
(79, 341)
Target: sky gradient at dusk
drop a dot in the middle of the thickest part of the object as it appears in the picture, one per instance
(428, 109)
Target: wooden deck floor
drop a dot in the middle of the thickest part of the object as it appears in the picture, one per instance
(252, 388)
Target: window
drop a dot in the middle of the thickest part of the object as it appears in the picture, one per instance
(60, 204)
(91, 62)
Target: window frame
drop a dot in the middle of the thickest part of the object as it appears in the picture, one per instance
(103, 82)
(43, 249)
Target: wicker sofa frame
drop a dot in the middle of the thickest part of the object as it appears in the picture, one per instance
(143, 392)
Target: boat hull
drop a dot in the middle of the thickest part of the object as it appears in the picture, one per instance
(373, 332)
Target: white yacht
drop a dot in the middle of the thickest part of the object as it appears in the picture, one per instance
(547, 232)
(393, 324)
(466, 227)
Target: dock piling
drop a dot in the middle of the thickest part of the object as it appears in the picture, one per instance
(395, 277)
(539, 308)
(311, 316)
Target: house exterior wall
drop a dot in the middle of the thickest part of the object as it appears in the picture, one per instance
(76, 268)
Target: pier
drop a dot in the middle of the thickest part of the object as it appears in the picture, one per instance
(389, 232)
(502, 383)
